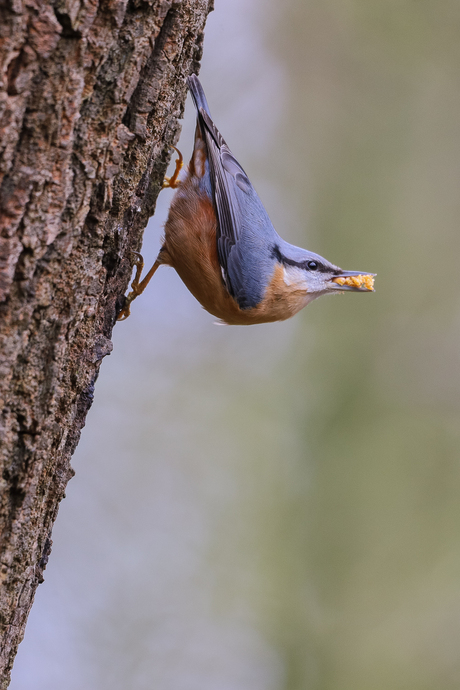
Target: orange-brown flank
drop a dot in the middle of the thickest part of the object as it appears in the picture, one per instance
(363, 281)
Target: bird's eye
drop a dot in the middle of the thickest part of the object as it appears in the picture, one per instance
(312, 265)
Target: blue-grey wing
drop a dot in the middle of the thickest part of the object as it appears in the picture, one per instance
(245, 233)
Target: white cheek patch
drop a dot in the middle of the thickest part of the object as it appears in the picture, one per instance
(294, 278)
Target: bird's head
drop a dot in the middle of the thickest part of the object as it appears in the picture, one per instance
(314, 276)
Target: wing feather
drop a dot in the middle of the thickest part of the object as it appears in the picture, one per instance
(229, 180)
(237, 206)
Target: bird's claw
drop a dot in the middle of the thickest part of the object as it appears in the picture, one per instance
(139, 264)
(137, 286)
(173, 182)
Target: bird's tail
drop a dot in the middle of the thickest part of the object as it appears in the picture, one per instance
(197, 93)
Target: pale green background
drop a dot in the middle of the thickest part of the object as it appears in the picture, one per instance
(277, 507)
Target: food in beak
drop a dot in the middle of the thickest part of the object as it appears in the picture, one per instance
(361, 282)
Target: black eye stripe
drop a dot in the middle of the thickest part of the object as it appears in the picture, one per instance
(279, 256)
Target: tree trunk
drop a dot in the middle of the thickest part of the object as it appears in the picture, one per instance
(89, 103)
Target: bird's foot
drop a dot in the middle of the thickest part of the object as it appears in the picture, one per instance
(137, 286)
(173, 181)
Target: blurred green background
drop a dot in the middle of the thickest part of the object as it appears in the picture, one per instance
(277, 507)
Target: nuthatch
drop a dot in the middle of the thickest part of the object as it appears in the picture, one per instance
(221, 242)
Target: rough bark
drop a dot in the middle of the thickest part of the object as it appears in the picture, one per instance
(89, 102)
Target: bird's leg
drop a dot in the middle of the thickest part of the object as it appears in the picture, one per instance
(173, 181)
(137, 286)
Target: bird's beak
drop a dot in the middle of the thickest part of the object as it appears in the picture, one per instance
(357, 281)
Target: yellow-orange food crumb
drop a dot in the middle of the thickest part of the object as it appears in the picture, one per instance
(364, 281)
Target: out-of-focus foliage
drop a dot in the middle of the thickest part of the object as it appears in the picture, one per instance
(278, 507)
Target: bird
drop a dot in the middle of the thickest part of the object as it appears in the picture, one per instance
(219, 239)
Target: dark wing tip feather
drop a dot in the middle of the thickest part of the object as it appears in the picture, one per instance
(228, 179)
(197, 93)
